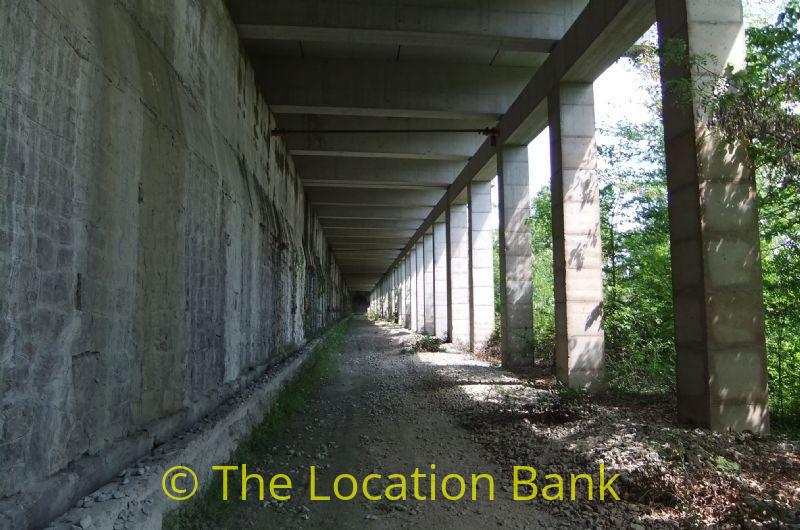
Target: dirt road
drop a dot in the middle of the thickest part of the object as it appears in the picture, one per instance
(390, 410)
(379, 414)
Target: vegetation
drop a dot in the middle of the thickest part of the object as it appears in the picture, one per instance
(209, 508)
(428, 343)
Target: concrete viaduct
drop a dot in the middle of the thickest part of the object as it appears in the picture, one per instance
(192, 190)
(432, 270)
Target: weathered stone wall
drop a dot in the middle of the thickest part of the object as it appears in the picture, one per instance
(156, 249)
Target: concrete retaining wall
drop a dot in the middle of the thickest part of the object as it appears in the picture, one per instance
(156, 249)
(135, 498)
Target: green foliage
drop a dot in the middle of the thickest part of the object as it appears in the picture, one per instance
(728, 466)
(209, 509)
(764, 114)
(541, 223)
(637, 272)
(428, 343)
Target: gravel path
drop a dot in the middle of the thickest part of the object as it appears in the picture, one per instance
(377, 415)
(391, 410)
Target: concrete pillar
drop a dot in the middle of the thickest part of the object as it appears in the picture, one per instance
(430, 299)
(412, 280)
(395, 295)
(406, 293)
(420, 276)
(440, 279)
(383, 299)
(516, 286)
(481, 263)
(459, 276)
(387, 293)
(399, 291)
(714, 241)
(392, 297)
(577, 254)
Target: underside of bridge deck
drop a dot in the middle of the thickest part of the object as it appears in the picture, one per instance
(398, 113)
(386, 66)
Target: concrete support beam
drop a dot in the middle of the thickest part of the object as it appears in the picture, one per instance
(407, 22)
(430, 294)
(714, 241)
(368, 232)
(388, 88)
(516, 287)
(440, 279)
(332, 171)
(373, 224)
(481, 264)
(337, 196)
(419, 256)
(577, 253)
(399, 213)
(459, 309)
(394, 37)
(414, 147)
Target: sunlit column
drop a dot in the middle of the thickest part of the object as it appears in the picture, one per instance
(577, 253)
(714, 242)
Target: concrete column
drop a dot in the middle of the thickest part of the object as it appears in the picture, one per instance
(714, 241)
(382, 300)
(387, 287)
(392, 296)
(516, 286)
(459, 276)
(577, 254)
(406, 292)
(412, 277)
(440, 279)
(481, 263)
(420, 276)
(387, 293)
(395, 295)
(430, 299)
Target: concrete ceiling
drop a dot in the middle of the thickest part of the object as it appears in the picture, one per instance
(390, 64)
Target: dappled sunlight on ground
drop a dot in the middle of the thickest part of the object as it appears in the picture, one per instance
(669, 475)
